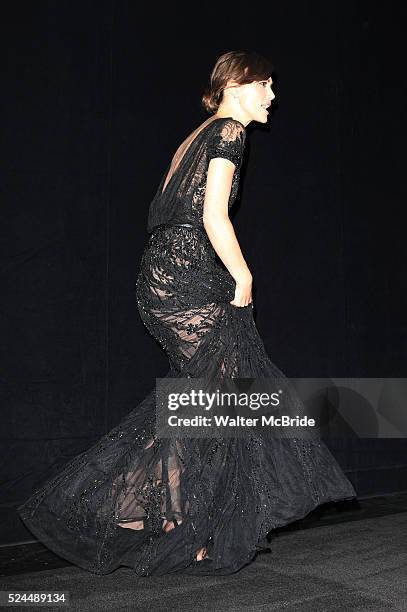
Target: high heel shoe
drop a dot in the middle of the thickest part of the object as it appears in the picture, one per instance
(202, 553)
(175, 522)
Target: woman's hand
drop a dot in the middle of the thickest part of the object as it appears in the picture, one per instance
(243, 291)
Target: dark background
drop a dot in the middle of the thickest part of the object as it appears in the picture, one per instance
(96, 97)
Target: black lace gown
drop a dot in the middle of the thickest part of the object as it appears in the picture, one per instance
(226, 493)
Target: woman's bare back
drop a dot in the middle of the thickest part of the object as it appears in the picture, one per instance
(182, 149)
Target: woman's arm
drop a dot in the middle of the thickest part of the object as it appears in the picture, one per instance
(220, 229)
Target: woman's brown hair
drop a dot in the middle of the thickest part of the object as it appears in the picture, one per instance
(241, 66)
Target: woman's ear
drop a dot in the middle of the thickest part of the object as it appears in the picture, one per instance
(232, 83)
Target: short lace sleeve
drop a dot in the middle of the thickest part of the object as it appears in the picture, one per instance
(227, 141)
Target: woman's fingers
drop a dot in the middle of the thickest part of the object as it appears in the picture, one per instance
(242, 300)
(243, 294)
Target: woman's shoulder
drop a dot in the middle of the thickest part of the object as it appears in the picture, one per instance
(227, 140)
(230, 126)
(229, 129)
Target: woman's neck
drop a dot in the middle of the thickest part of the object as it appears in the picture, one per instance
(228, 112)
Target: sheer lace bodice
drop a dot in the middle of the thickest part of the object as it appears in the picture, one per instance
(181, 192)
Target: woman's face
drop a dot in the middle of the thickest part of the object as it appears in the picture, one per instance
(254, 99)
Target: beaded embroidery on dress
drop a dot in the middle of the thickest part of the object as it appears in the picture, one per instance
(225, 494)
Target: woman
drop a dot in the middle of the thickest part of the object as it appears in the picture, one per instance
(162, 505)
